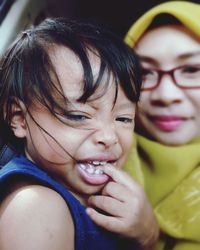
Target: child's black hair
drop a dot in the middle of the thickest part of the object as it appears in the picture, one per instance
(27, 73)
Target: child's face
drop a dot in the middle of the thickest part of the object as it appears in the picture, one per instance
(168, 113)
(100, 133)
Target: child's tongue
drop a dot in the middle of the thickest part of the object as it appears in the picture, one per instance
(92, 174)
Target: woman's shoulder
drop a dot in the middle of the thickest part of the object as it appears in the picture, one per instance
(36, 214)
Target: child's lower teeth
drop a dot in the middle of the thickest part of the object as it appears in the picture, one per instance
(91, 170)
(98, 171)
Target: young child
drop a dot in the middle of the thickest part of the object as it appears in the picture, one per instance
(68, 96)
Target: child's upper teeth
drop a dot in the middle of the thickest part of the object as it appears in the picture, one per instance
(96, 163)
(103, 162)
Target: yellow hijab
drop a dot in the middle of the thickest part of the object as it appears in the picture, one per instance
(170, 175)
(171, 179)
(186, 12)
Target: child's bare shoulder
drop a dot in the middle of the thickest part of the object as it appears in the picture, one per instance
(36, 217)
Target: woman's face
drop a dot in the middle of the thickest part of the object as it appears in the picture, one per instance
(168, 113)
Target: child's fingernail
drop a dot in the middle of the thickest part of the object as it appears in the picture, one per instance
(88, 210)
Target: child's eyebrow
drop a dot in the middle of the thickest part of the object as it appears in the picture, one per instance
(126, 105)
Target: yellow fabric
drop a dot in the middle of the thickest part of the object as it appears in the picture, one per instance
(170, 175)
(186, 12)
(171, 179)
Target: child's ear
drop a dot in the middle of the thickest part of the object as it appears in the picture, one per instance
(18, 121)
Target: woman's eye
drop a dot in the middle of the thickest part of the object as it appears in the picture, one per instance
(147, 72)
(190, 69)
(124, 119)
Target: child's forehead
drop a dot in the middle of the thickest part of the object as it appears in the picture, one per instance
(66, 61)
(69, 71)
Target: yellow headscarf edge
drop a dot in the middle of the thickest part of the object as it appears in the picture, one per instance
(187, 13)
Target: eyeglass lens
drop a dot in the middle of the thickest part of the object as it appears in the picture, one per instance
(187, 76)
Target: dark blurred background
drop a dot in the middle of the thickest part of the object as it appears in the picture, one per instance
(117, 15)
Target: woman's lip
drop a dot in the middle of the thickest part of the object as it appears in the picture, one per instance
(168, 123)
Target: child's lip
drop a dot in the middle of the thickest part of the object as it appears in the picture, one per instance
(99, 158)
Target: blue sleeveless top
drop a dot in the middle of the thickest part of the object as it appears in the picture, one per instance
(88, 236)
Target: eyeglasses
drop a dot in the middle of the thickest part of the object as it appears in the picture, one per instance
(185, 77)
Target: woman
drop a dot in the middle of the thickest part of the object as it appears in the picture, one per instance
(167, 40)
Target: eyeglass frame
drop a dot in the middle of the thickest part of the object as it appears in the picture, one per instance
(170, 72)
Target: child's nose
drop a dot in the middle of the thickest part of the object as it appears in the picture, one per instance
(106, 135)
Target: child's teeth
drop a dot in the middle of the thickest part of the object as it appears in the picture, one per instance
(95, 162)
(82, 166)
(103, 162)
(99, 163)
(98, 171)
(90, 170)
(92, 167)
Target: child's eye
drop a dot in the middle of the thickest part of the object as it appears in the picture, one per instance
(76, 117)
(124, 119)
(70, 117)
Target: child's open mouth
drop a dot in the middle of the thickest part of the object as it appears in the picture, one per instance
(92, 173)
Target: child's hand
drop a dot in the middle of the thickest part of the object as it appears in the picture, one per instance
(125, 209)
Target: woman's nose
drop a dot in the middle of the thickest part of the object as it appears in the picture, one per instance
(166, 93)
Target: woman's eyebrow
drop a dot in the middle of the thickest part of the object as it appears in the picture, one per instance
(148, 59)
(184, 56)
(188, 55)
